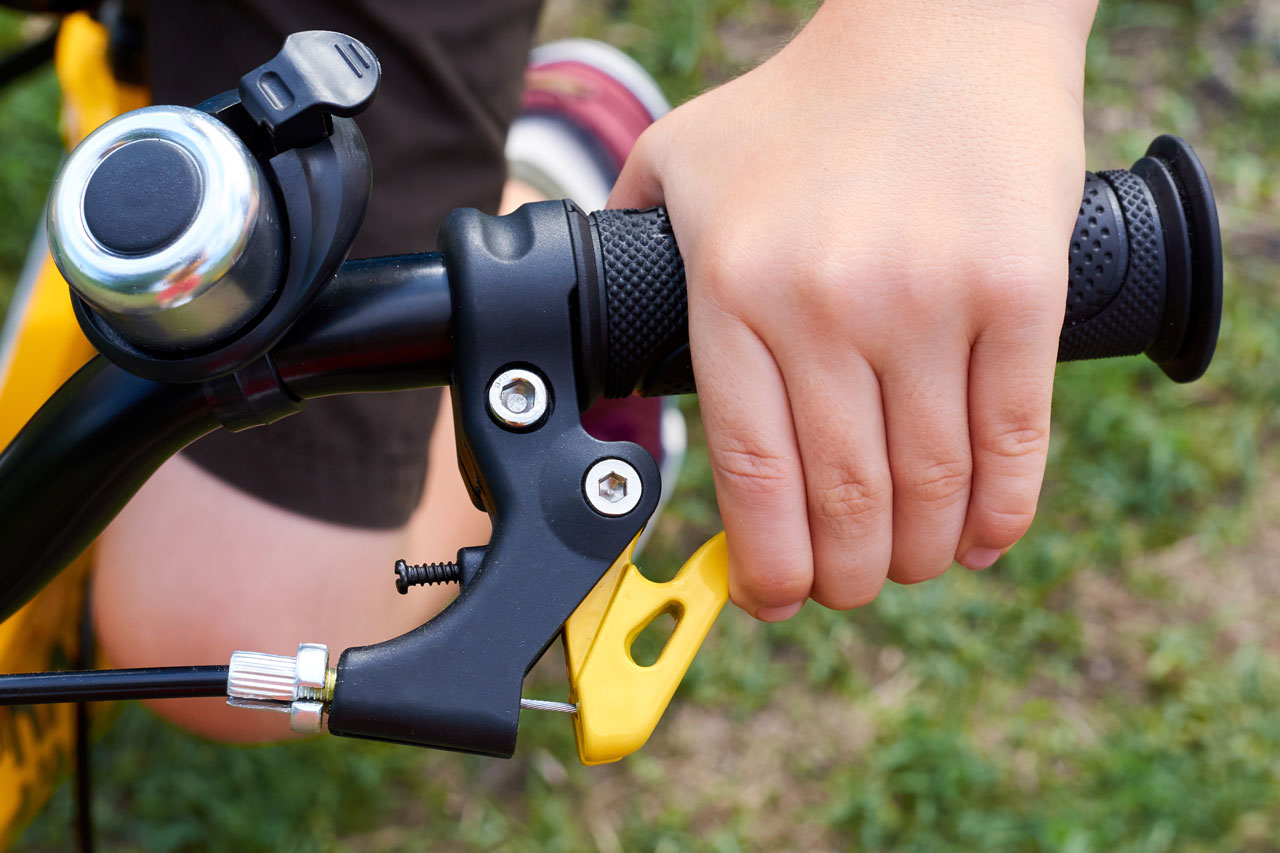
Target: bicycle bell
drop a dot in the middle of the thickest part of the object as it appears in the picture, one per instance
(162, 221)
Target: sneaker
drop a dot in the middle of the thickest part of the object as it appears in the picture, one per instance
(584, 105)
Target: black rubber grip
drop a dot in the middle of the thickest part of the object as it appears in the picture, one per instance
(646, 303)
(1116, 279)
(1134, 284)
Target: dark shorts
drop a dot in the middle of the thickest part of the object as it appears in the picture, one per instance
(452, 74)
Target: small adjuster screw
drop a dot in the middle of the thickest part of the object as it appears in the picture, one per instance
(429, 573)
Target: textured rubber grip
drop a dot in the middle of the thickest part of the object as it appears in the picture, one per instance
(646, 303)
(1116, 303)
(1116, 282)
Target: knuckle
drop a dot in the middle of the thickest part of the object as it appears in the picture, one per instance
(1018, 441)
(752, 470)
(849, 499)
(838, 294)
(824, 289)
(729, 272)
(651, 145)
(1019, 276)
(1015, 284)
(648, 140)
(940, 484)
(913, 285)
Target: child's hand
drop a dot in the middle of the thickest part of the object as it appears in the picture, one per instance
(875, 225)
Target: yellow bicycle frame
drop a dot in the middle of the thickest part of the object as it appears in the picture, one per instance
(44, 349)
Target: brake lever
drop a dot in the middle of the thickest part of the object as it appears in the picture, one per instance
(619, 701)
(564, 504)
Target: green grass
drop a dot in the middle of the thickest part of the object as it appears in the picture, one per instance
(1113, 684)
(29, 157)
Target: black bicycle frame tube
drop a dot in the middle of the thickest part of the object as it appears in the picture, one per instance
(80, 459)
(379, 325)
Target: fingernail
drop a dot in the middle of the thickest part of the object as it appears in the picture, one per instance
(778, 614)
(980, 558)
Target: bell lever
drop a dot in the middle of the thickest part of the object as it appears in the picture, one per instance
(316, 75)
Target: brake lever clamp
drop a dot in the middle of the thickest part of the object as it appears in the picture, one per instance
(564, 504)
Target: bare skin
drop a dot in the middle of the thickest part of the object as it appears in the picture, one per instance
(232, 572)
(890, 284)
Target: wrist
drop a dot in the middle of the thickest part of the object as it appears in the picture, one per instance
(1070, 19)
(869, 42)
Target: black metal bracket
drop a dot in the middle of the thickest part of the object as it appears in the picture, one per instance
(455, 682)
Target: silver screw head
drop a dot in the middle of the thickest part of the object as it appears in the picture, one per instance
(518, 398)
(612, 487)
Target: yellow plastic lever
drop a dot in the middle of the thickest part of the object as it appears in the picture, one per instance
(620, 701)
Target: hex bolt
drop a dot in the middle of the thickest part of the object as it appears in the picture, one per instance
(518, 398)
(612, 487)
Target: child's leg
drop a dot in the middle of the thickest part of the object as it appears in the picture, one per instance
(194, 569)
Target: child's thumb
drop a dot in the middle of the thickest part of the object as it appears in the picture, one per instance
(640, 183)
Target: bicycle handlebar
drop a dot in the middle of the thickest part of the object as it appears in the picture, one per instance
(599, 303)
(1144, 276)
(387, 324)
(574, 305)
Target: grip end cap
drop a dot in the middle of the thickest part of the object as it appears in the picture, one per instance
(1193, 354)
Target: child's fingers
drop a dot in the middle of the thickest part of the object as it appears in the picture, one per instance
(1010, 388)
(756, 465)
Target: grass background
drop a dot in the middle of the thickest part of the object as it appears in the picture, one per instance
(1114, 683)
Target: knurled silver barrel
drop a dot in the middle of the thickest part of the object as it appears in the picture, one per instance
(260, 677)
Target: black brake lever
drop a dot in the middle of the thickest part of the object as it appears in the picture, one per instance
(455, 681)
